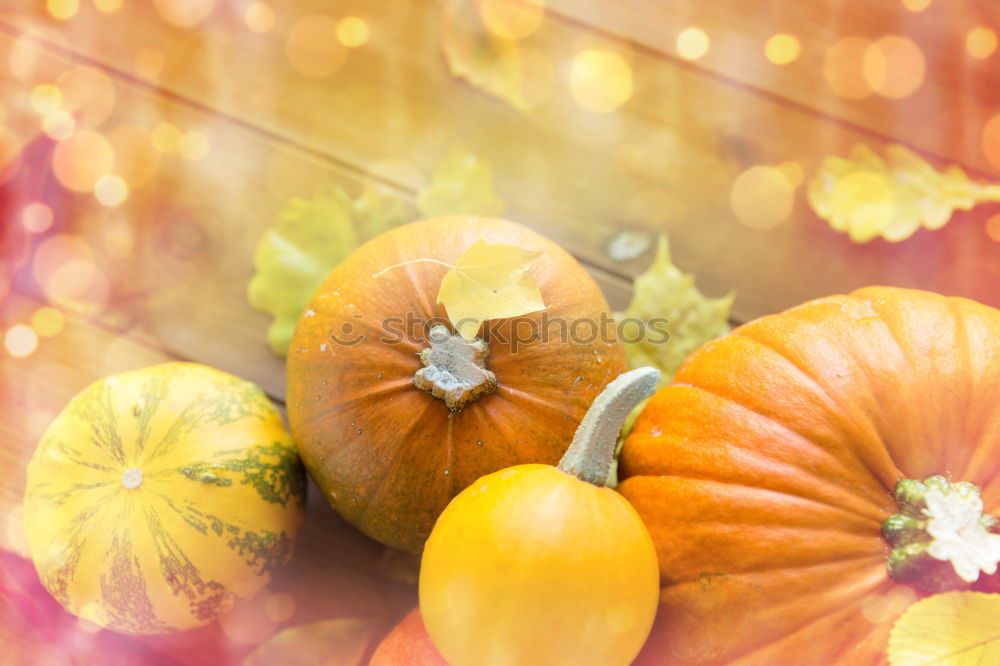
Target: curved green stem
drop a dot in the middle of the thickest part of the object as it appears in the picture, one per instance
(590, 454)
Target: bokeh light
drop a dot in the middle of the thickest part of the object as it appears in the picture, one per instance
(62, 9)
(600, 80)
(280, 607)
(761, 197)
(312, 48)
(119, 239)
(37, 217)
(981, 42)
(916, 5)
(894, 66)
(89, 93)
(793, 172)
(782, 49)
(136, 158)
(148, 63)
(64, 267)
(259, 17)
(184, 13)
(193, 146)
(692, 43)
(79, 161)
(993, 228)
(991, 140)
(535, 70)
(45, 98)
(48, 322)
(843, 67)
(515, 19)
(167, 137)
(352, 31)
(108, 6)
(20, 341)
(58, 125)
(110, 191)
(14, 537)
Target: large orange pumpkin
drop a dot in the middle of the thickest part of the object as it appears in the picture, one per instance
(388, 455)
(768, 471)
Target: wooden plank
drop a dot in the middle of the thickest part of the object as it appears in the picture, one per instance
(335, 572)
(944, 115)
(665, 161)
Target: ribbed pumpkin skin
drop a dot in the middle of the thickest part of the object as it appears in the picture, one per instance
(389, 456)
(765, 471)
(216, 513)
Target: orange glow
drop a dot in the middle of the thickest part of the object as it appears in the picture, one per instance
(167, 137)
(136, 158)
(782, 49)
(148, 63)
(58, 124)
(184, 13)
(692, 43)
(79, 161)
(20, 341)
(843, 67)
(48, 322)
(761, 197)
(193, 146)
(62, 9)
(993, 228)
(352, 31)
(312, 48)
(916, 5)
(108, 6)
(894, 67)
(10, 156)
(981, 42)
(600, 80)
(45, 98)
(792, 171)
(991, 140)
(511, 20)
(89, 93)
(37, 217)
(259, 17)
(110, 191)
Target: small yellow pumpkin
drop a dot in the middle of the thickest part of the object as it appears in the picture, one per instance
(535, 564)
(159, 497)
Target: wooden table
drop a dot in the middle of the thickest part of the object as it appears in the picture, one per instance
(219, 112)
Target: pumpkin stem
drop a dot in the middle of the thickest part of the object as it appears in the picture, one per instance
(455, 368)
(941, 538)
(590, 454)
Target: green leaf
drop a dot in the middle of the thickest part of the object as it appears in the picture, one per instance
(462, 184)
(952, 629)
(666, 298)
(307, 240)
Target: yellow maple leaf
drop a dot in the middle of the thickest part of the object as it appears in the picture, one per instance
(489, 282)
(952, 629)
(868, 196)
(664, 296)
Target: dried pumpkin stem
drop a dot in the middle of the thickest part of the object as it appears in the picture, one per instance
(454, 369)
(590, 454)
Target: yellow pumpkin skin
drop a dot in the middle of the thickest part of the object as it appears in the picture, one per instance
(530, 565)
(212, 512)
(766, 472)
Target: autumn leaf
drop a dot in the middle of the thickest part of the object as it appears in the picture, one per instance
(489, 282)
(665, 299)
(868, 196)
(462, 184)
(307, 240)
(951, 629)
(340, 642)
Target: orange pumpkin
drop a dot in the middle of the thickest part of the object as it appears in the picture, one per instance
(780, 477)
(408, 644)
(388, 455)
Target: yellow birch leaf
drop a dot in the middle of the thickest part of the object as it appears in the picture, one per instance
(669, 317)
(868, 196)
(951, 629)
(489, 282)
